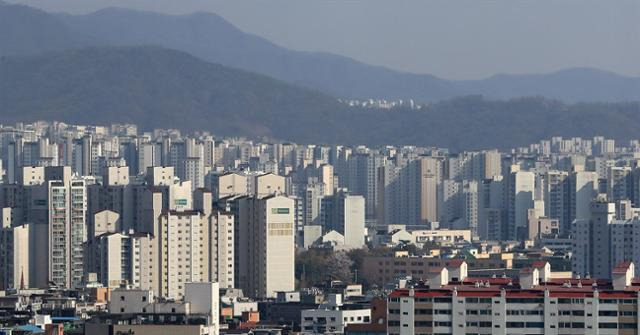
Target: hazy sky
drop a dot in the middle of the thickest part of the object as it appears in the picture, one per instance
(456, 39)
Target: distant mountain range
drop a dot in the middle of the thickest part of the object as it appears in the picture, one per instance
(158, 87)
(163, 88)
(24, 30)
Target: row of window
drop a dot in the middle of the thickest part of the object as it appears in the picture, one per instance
(393, 323)
(437, 299)
(524, 312)
(525, 324)
(477, 300)
(487, 324)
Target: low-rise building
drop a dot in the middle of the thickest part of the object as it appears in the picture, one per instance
(385, 269)
(333, 316)
(137, 311)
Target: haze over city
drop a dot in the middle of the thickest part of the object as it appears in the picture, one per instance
(451, 39)
(319, 167)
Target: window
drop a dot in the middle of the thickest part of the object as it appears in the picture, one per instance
(525, 300)
(534, 324)
(608, 325)
(515, 324)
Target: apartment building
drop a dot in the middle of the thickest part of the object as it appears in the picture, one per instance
(531, 305)
(385, 269)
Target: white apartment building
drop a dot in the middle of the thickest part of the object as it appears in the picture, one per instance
(14, 256)
(536, 304)
(602, 241)
(67, 201)
(182, 241)
(265, 244)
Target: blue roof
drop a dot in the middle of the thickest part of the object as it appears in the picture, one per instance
(30, 328)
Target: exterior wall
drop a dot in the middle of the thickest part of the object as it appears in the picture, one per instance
(269, 184)
(59, 231)
(353, 217)
(265, 245)
(160, 175)
(442, 235)
(323, 321)
(601, 242)
(222, 246)
(131, 301)
(326, 177)
(584, 186)
(105, 221)
(116, 176)
(144, 262)
(182, 242)
(513, 312)
(521, 195)
(14, 256)
(104, 329)
(279, 246)
(204, 299)
(110, 262)
(229, 184)
(383, 270)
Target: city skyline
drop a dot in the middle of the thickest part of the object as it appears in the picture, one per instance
(209, 167)
(160, 216)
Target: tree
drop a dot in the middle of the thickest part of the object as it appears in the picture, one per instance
(340, 266)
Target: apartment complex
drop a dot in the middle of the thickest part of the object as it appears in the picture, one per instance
(532, 305)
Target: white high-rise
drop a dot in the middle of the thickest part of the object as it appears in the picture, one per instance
(345, 214)
(265, 245)
(521, 189)
(14, 255)
(584, 188)
(601, 242)
(618, 183)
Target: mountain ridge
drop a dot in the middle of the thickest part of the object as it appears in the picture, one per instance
(213, 39)
(157, 87)
(154, 87)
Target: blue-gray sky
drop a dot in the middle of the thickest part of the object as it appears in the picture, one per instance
(455, 39)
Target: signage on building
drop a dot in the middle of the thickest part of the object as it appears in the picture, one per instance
(279, 210)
